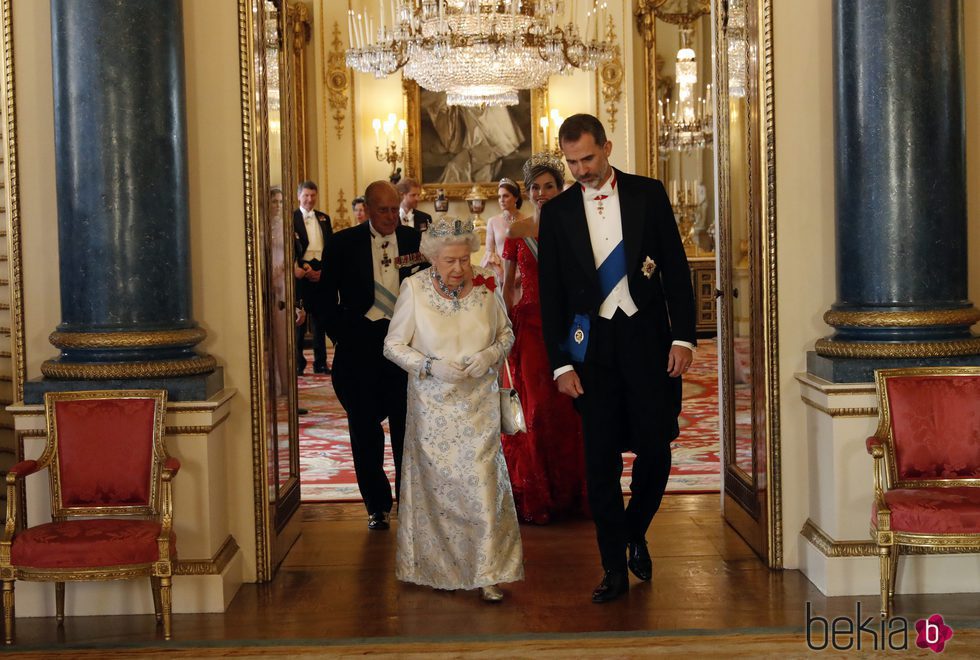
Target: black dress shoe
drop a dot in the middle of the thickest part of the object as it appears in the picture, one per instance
(614, 584)
(302, 411)
(639, 562)
(378, 520)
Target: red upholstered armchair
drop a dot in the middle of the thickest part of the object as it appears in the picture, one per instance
(926, 465)
(111, 508)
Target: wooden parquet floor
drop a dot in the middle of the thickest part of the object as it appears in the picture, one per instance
(335, 595)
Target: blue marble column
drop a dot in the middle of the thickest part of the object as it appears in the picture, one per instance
(900, 191)
(121, 184)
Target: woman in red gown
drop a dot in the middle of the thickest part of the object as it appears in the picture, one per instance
(547, 463)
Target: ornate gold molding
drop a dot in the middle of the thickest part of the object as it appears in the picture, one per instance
(200, 364)
(169, 430)
(11, 201)
(194, 430)
(299, 15)
(337, 79)
(771, 299)
(299, 24)
(695, 10)
(341, 219)
(646, 23)
(214, 566)
(761, 141)
(828, 547)
(255, 178)
(841, 412)
(900, 319)
(898, 350)
(609, 77)
(128, 339)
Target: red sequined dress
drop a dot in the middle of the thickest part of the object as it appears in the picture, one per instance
(547, 463)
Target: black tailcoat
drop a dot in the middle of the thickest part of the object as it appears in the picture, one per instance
(368, 386)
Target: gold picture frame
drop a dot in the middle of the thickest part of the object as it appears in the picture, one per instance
(538, 107)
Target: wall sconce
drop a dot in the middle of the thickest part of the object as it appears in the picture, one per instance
(391, 154)
(549, 128)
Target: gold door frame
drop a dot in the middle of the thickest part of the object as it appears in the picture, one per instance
(10, 200)
(272, 515)
(762, 247)
(11, 205)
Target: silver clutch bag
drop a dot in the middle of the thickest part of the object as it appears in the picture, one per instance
(511, 412)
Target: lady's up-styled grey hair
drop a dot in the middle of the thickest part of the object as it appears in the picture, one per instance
(448, 231)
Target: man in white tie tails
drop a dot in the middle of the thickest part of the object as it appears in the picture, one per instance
(312, 230)
(408, 212)
(364, 269)
(617, 310)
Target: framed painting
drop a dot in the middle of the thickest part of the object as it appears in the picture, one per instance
(456, 147)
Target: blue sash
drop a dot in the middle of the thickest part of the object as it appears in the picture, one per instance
(611, 271)
(532, 245)
(384, 299)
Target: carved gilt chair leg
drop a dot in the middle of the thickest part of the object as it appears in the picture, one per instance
(894, 574)
(59, 601)
(8, 611)
(155, 586)
(884, 557)
(165, 604)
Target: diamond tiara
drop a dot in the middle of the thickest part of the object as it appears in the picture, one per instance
(545, 159)
(444, 227)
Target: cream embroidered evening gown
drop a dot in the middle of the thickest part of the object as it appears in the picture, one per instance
(457, 526)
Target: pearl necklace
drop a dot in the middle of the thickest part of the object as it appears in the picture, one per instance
(452, 293)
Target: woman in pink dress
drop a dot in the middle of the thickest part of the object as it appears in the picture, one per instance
(509, 199)
(546, 463)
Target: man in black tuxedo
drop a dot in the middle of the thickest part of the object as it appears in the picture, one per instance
(618, 319)
(364, 269)
(312, 231)
(408, 211)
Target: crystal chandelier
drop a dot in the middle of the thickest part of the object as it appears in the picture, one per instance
(480, 52)
(687, 123)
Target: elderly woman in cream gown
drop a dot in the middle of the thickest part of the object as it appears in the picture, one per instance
(457, 526)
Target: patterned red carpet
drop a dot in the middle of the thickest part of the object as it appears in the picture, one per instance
(327, 470)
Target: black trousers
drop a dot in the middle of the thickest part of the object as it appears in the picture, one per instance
(311, 293)
(625, 392)
(319, 343)
(371, 388)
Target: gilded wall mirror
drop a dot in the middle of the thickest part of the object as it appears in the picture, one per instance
(274, 38)
(746, 222)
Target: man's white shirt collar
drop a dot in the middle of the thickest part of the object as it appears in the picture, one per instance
(377, 236)
(607, 188)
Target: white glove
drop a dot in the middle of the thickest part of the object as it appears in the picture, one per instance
(478, 364)
(448, 372)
